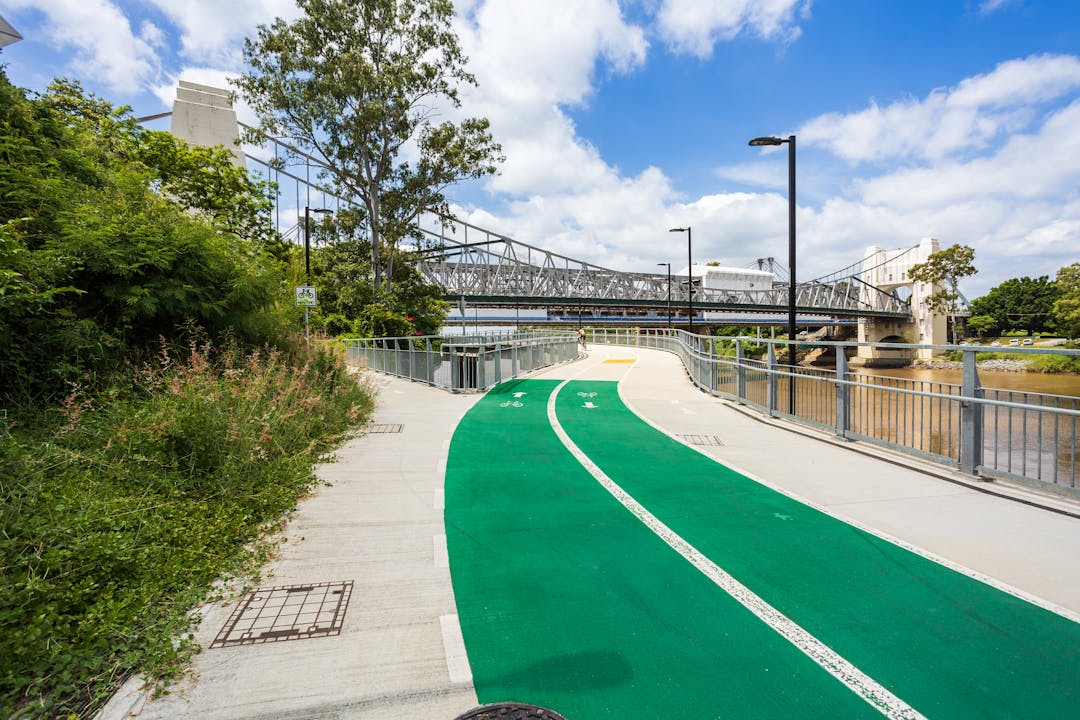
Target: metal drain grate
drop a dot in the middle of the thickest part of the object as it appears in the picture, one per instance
(386, 428)
(287, 612)
(711, 440)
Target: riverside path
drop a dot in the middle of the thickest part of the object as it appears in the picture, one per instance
(603, 539)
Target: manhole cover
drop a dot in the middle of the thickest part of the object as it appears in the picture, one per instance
(286, 612)
(510, 711)
(703, 440)
(386, 428)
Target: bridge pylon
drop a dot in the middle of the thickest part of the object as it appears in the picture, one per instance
(888, 271)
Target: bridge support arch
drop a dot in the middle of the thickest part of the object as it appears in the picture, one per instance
(888, 272)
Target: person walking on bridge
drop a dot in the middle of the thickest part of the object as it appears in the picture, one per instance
(581, 337)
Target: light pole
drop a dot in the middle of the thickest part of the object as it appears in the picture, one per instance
(668, 265)
(765, 141)
(307, 237)
(690, 270)
(307, 262)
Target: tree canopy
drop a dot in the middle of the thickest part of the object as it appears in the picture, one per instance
(945, 268)
(362, 86)
(113, 236)
(349, 301)
(1067, 306)
(1017, 304)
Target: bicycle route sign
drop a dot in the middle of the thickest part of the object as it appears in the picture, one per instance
(306, 296)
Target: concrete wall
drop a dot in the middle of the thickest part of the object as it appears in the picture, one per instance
(203, 116)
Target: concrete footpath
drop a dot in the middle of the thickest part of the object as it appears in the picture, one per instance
(379, 523)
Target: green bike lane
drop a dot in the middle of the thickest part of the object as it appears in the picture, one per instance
(567, 600)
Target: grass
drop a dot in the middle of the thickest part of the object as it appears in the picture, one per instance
(120, 510)
(1050, 364)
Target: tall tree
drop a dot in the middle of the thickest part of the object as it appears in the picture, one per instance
(942, 271)
(360, 85)
(1067, 307)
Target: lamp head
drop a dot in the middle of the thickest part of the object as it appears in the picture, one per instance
(762, 141)
(678, 229)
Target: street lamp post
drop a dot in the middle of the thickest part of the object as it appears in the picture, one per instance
(307, 261)
(766, 141)
(668, 265)
(690, 282)
(307, 237)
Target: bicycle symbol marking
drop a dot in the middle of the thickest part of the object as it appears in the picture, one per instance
(586, 394)
(512, 403)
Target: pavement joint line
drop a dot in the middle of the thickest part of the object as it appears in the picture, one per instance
(441, 556)
(457, 660)
(945, 562)
(875, 694)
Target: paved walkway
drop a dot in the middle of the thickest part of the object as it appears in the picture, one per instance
(380, 524)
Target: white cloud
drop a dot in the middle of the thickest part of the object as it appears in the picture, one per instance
(1041, 164)
(988, 7)
(212, 34)
(526, 54)
(695, 26)
(764, 174)
(976, 113)
(529, 63)
(105, 45)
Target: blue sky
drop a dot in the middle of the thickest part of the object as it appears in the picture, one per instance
(957, 119)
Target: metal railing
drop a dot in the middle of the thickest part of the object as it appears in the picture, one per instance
(980, 431)
(463, 363)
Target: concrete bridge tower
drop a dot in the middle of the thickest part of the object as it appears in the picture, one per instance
(887, 270)
(203, 116)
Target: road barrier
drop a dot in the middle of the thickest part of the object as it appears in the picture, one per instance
(978, 430)
(981, 431)
(463, 363)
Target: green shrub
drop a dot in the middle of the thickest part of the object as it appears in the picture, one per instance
(120, 510)
(1055, 364)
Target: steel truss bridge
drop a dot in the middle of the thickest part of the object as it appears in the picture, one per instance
(486, 269)
(491, 270)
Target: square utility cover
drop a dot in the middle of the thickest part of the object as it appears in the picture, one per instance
(287, 612)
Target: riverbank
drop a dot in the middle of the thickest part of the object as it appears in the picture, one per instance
(995, 365)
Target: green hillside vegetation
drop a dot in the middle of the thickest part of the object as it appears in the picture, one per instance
(160, 415)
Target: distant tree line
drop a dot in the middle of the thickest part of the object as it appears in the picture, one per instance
(1019, 305)
(1031, 306)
